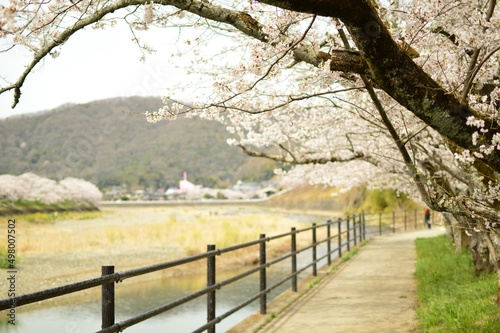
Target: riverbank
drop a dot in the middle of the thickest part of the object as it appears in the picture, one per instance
(9, 208)
(67, 251)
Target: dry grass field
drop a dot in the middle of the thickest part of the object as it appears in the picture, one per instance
(56, 250)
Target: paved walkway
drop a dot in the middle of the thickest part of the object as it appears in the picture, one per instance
(372, 292)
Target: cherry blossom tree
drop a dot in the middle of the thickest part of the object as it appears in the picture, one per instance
(79, 190)
(31, 187)
(401, 94)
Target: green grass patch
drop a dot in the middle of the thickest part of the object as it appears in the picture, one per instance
(4, 260)
(346, 256)
(269, 318)
(4, 263)
(9, 208)
(313, 283)
(51, 217)
(37, 212)
(451, 298)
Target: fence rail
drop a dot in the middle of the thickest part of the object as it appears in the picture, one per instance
(336, 235)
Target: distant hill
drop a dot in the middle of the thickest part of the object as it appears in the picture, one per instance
(109, 142)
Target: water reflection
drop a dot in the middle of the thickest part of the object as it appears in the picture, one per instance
(135, 298)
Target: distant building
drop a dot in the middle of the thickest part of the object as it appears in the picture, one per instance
(185, 186)
(186, 190)
(116, 193)
(141, 195)
(268, 191)
(246, 187)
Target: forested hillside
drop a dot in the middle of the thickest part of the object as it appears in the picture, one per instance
(109, 142)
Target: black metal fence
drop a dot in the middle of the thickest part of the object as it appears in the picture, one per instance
(392, 222)
(336, 236)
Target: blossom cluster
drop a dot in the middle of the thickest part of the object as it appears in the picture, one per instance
(322, 122)
(31, 187)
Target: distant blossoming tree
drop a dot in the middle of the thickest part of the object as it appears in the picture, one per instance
(30, 187)
(402, 94)
(80, 190)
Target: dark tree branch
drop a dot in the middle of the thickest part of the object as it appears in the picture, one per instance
(389, 66)
(240, 20)
(393, 70)
(297, 161)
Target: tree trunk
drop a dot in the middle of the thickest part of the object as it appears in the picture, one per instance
(480, 254)
(455, 231)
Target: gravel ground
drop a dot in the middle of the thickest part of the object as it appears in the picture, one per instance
(49, 268)
(48, 259)
(40, 272)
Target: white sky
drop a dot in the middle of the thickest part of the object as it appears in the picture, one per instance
(94, 64)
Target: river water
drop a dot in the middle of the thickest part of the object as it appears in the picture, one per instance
(132, 299)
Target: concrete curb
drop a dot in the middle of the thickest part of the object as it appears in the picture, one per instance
(374, 291)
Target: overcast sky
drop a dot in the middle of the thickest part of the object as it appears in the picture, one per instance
(94, 64)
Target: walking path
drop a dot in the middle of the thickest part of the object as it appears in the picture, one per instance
(372, 292)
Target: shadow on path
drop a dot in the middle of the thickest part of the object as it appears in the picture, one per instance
(375, 291)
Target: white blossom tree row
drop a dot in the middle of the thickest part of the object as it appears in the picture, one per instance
(31, 187)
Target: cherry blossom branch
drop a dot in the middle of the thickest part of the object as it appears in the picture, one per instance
(477, 68)
(291, 99)
(56, 41)
(365, 118)
(297, 161)
(443, 166)
(240, 20)
(294, 45)
(479, 210)
(400, 78)
(451, 37)
(270, 68)
(410, 137)
(473, 66)
(348, 61)
(412, 170)
(418, 178)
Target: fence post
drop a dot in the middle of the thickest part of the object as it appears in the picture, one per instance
(328, 243)
(315, 273)
(339, 224)
(360, 222)
(415, 219)
(393, 222)
(348, 234)
(364, 226)
(263, 283)
(380, 224)
(360, 227)
(405, 218)
(354, 229)
(108, 298)
(294, 260)
(211, 294)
